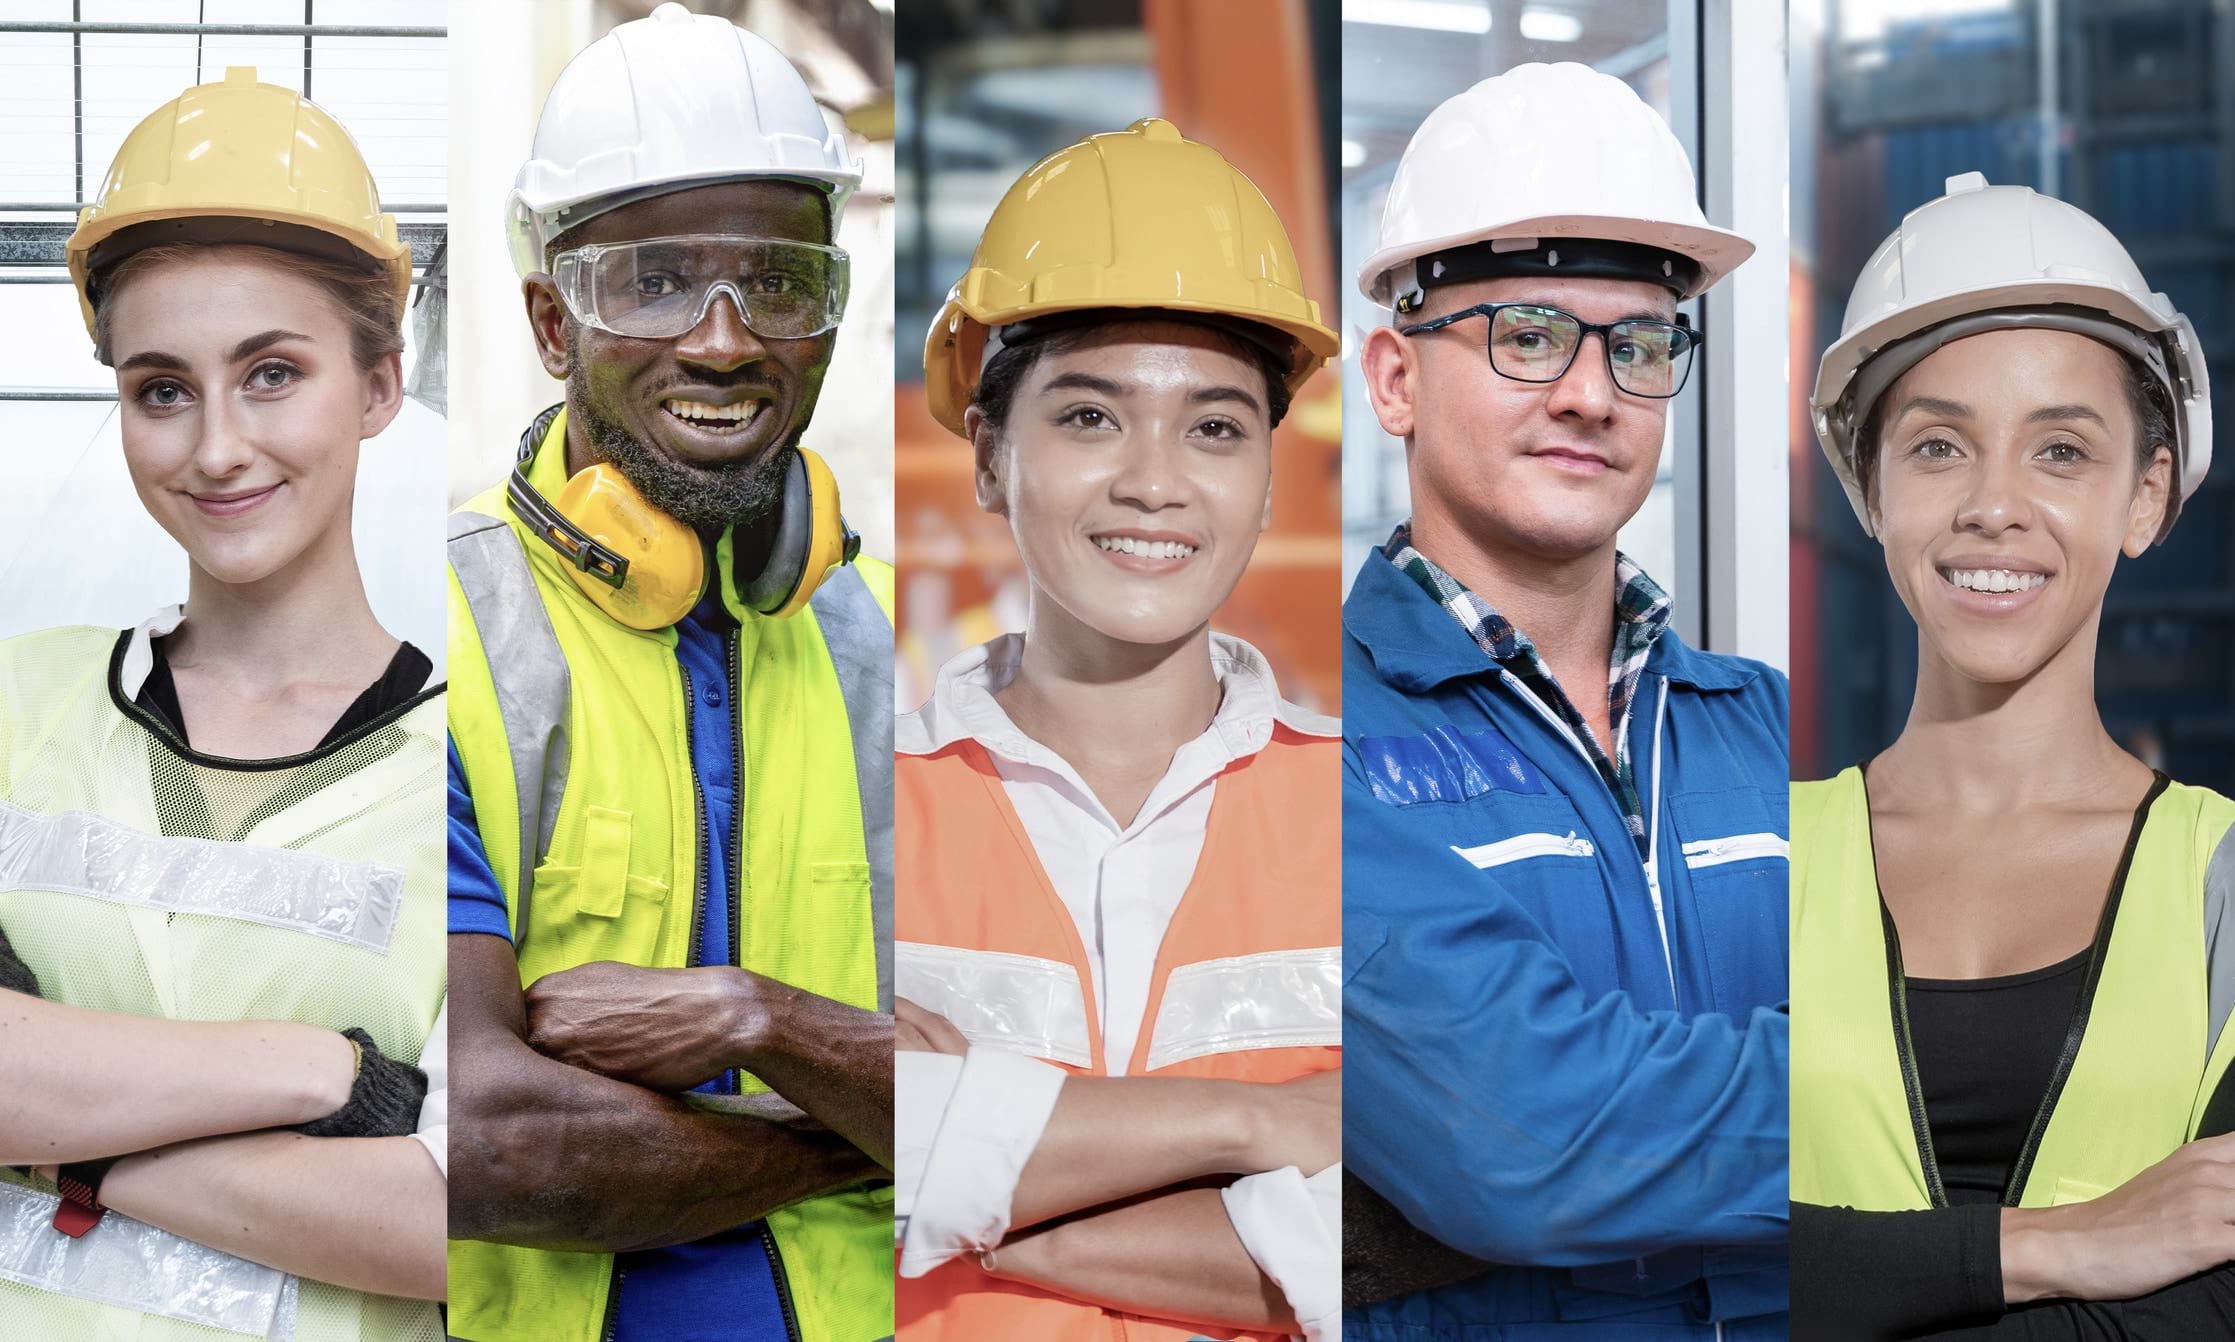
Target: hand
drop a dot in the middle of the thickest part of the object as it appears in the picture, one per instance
(916, 1030)
(1297, 1123)
(15, 975)
(663, 1029)
(2172, 1220)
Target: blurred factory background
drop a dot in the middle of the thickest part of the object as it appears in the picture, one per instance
(2125, 108)
(987, 89)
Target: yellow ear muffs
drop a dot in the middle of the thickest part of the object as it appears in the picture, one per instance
(812, 538)
(634, 562)
(647, 570)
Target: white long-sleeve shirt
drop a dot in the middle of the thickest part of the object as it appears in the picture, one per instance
(966, 1126)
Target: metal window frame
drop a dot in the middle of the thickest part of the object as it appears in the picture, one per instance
(32, 251)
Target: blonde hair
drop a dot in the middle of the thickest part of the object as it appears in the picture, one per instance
(364, 297)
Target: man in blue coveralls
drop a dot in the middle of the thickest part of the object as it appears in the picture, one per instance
(1564, 830)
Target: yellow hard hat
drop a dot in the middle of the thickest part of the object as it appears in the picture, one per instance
(238, 150)
(1139, 218)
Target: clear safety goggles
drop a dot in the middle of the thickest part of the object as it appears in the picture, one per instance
(658, 288)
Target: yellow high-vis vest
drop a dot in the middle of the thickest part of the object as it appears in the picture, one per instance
(574, 735)
(2148, 1043)
(139, 876)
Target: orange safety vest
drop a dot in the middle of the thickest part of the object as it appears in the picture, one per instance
(1261, 923)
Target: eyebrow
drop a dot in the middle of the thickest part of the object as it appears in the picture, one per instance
(1083, 382)
(1211, 395)
(2058, 412)
(173, 363)
(1933, 404)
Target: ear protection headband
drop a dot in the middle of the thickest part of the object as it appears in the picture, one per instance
(647, 570)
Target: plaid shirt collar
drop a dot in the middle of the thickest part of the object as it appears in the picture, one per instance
(1641, 612)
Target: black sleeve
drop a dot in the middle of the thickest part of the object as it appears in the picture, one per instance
(1384, 1255)
(1866, 1276)
(2195, 1310)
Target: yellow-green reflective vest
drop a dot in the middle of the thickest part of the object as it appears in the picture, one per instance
(142, 877)
(573, 733)
(2150, 1048)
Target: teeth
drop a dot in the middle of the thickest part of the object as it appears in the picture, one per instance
(1995, 579)
(701, 412)
(1133, 545)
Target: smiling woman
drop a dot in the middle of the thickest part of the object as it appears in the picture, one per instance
(2031, 1120)
(220, 868)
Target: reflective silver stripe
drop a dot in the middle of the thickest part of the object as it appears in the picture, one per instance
(1017, 1003)
(531, 677)
(859, 636)
(2219, 933)
(1273, 999)
(132, 1266)
(79, 853)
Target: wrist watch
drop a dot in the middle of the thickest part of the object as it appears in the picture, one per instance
(80, 1186)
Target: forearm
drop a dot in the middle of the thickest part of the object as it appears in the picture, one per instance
(65, 1069)
(549, 1156)
(832, 1060)
(363, 1213)
(1118, 1137)
(1172, 1256)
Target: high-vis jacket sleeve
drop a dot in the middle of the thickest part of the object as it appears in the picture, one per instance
(963, 1130)
(1293, 1228)
(1515, 1118)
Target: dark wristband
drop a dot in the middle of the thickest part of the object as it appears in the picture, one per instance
(80, 1186)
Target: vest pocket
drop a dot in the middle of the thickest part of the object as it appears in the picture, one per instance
(602, 886)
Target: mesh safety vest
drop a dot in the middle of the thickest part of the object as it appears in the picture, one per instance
(142, 877)
(574, 736)
(2145, 1050)
(1247, 984)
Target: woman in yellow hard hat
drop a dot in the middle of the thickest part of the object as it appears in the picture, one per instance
(1117, 843)
(221, 876)
(2011, 982)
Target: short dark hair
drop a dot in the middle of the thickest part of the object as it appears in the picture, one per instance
(2145, 398)
(1005, 373)
(366, 297)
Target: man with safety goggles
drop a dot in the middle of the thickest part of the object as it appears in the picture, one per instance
(1563, 829)
(671, 730)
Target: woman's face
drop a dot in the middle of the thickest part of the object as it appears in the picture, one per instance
(1136, 472)
(2006, 491)
(242, 409)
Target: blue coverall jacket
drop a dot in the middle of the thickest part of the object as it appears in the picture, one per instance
(1559, 1055)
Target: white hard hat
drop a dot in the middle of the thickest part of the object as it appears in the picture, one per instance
(1540, 155)
(664, 102)
(1983, 258)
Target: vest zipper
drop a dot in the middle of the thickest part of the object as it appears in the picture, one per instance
(783, 1283)
(613, 1304)
(2077, 1031)
(1911, 1086)
(698, 798)
(734, 1083)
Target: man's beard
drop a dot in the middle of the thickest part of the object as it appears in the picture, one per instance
(742, 494)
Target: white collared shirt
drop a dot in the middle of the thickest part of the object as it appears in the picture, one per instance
(966, 1126)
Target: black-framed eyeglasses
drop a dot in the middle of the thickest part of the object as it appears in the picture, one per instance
(1530, 342)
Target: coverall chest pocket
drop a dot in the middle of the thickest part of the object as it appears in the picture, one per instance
(600, 895)
(1733, 847)
(1537, 851)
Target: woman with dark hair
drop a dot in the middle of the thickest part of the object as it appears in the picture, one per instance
(2010, 981)
(221, 876)
(1118, 945)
